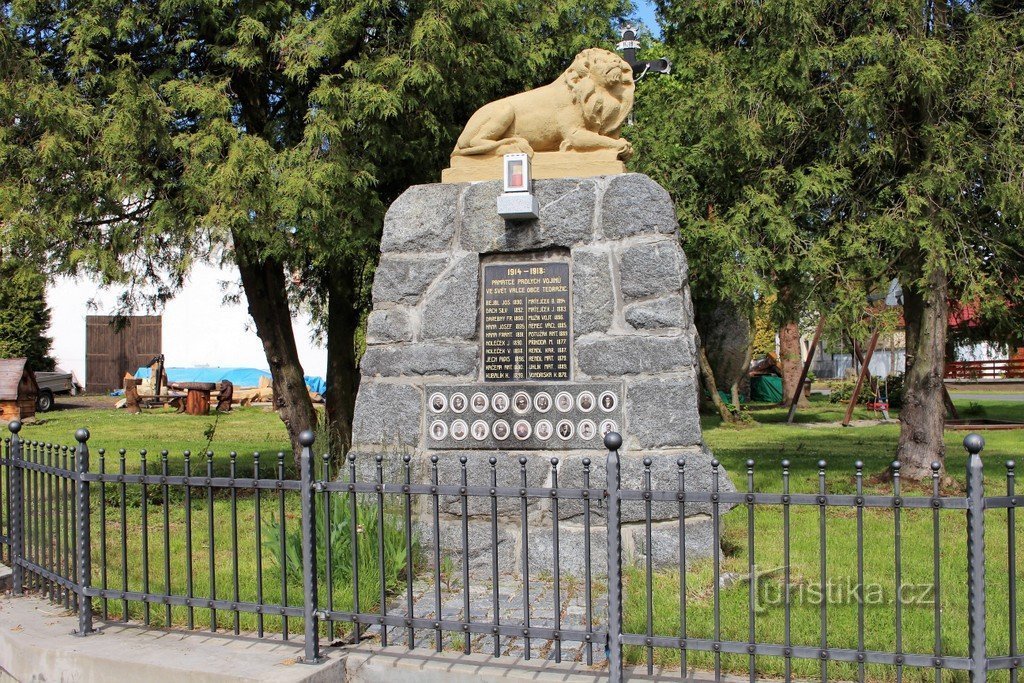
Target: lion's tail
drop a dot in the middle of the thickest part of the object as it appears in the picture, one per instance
(465, 146)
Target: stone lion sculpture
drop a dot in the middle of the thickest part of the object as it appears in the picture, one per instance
(583, 110)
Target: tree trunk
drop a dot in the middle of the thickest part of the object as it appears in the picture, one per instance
(197, 402)
(923, 414)
(791, 360)
(343, 313)
(263, 280)
(725, 344)
(708, 378)
(741, 378)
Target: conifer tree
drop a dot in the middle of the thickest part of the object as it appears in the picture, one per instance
(136, 136)
(24, 316)
(819, 149)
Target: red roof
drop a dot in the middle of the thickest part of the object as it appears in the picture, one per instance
(963, 315)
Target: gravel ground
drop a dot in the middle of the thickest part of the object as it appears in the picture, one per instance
(66, 402)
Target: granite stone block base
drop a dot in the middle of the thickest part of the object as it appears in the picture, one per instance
(631, 333)
(539, 541)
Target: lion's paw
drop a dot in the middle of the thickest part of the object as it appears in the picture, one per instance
(514, 145)
(625, 150)
(522, 145)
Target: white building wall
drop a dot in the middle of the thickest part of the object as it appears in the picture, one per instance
(199, 328)
(888, 361)
(883, 363)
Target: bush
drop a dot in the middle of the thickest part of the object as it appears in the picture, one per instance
(895, 388)
(974, 409)
(842, 390)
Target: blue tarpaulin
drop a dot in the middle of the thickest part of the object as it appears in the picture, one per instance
(240, 377)
(316, 384)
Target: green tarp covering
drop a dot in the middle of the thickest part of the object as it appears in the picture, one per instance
(727, 397)
(766, 389)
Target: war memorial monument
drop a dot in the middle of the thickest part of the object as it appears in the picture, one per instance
(532, 337)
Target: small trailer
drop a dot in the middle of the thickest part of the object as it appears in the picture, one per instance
(18, 390)
(53, 384)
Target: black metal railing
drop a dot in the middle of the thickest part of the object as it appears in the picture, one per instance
(976, 661)
(81, 535)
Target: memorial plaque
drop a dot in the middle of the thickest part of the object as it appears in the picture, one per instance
(526, 328)
(528, 416)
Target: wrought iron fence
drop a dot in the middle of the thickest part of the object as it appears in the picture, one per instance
(57, 534)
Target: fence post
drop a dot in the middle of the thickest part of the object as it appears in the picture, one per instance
(17, 511)
(308, 492)
(83, 535)
(613, 441)
(974, 443)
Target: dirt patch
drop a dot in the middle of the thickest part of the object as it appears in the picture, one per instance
(853, 423)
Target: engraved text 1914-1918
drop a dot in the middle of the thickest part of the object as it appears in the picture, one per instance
(526, 325)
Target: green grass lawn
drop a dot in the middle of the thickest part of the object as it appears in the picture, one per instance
(770, 440)
(767, 441)
(243, 430)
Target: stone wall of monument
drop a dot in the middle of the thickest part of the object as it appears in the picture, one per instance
(631, 330)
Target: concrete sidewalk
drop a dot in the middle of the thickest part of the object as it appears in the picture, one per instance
(368, 664)
(37, 644)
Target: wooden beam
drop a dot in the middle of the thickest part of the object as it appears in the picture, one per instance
(948, 400)
(807, 368)
(856, 352)
(864, 370)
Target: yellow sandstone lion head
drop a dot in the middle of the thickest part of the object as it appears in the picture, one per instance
(595, 77)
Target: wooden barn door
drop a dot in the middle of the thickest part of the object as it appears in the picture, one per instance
(111, 351)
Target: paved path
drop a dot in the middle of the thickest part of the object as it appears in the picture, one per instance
(984, 396)
(36, 645)
(572, 616)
